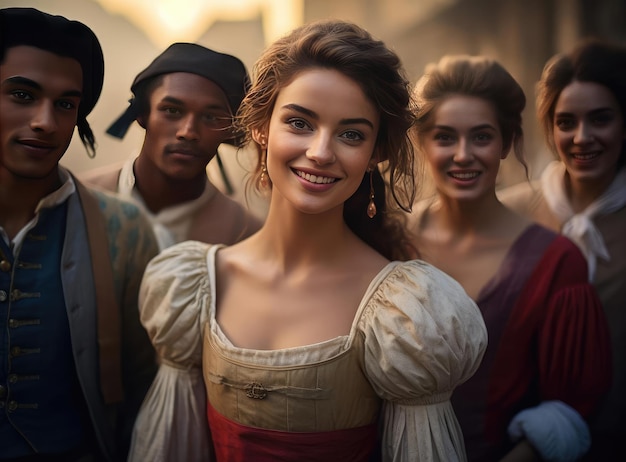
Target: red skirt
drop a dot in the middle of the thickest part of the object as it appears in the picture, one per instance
(233, 442)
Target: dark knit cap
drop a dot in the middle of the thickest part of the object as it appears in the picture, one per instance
(59, 35)
(224, 70)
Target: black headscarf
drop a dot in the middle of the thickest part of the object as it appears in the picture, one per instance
(224, 70)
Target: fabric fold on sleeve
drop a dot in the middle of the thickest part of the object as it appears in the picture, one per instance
(414, 433)
(172, 423)
(575, 349)
(423, 336)
(173, 303)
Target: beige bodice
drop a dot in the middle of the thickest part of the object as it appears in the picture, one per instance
(326, 393)
(416, 335)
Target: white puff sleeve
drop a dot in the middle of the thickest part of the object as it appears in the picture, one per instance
(423, 336)
(173, 302)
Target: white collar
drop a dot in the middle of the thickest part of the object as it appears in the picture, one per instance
(579, 227)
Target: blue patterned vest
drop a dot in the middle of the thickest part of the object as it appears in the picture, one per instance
(40, 400)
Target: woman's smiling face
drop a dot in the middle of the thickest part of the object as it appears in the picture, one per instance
(321, 139)
(464, 147)
(589, 132)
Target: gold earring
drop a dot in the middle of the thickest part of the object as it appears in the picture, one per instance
(371, 207)
(263, 179)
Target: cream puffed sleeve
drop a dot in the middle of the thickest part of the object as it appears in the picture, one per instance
(422, 337)
(173, 303)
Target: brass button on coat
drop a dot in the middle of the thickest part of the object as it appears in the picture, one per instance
(5, 266)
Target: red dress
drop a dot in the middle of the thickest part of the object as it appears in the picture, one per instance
(548, 340)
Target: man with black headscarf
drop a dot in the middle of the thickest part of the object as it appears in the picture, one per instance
(185, 100)
(75, 361)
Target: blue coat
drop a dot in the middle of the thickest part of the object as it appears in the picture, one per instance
(131, 244)
(104, 249)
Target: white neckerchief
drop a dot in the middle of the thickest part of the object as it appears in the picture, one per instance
(579, 227)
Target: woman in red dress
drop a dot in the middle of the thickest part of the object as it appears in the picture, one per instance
(581, 104)
(548, 359)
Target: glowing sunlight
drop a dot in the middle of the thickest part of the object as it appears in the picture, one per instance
(166, 21)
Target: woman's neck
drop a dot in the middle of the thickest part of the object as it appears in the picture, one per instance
(582, 194)
(297, 238)
(469, 217)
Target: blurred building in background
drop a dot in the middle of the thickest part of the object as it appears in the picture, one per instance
(521, 34)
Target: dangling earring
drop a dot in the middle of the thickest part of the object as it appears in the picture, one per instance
(263, 179)
(371, 207)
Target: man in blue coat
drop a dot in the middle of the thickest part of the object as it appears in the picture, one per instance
(75, 361)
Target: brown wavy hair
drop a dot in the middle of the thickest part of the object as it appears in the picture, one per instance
(349, 49)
